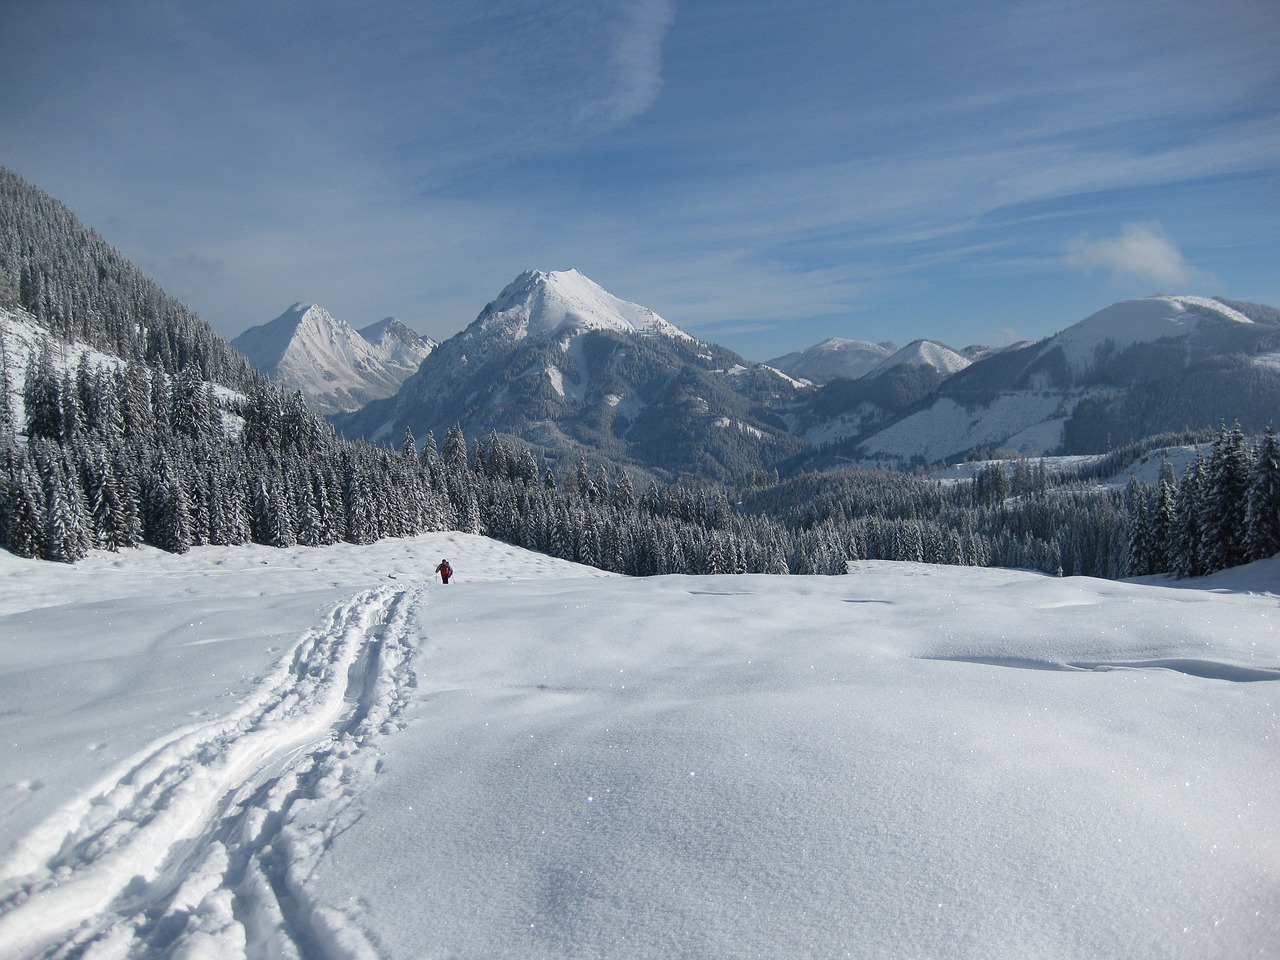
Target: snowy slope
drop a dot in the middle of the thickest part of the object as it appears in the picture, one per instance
(306, 348)
(323, 753)
(539, 304)
(23, 338)
(833, 358)
(1028, 422)
(401, 349)
(923, 353)
(1139, 321)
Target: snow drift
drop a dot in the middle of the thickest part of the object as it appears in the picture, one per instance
(542, 761)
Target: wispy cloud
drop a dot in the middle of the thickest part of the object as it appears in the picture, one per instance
(633, 81)
(1142, 251)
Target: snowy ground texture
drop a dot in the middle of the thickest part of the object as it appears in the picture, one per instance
(325, 753)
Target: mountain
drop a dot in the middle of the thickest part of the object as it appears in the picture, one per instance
(336, 367)
(561, 364)
(401, 348)
(923, 353)
(844, 408)
(1134, 369)
(833, 358)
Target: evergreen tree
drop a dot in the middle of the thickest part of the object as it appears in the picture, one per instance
(166, 516)
(8, 425)
(497, 458)
(42, 396)
(25, 530)
(1224, 501)
(1262, 513)
(1186, 559)
(455, 449)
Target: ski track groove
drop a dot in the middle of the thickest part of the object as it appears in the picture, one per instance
(201, 843)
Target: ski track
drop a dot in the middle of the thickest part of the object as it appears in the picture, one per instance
(200, 844)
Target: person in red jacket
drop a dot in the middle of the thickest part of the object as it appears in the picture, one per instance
(445, 571)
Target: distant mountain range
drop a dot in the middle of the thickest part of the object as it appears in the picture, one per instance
(1137, 368)
(559, 363)
(337, 367)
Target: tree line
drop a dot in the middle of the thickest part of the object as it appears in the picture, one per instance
(1224, 510)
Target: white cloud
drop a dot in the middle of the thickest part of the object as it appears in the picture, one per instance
(634, 64)
(1141, 251)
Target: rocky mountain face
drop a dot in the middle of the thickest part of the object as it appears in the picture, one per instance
(337, 367)
(566, 367)
(401, 349)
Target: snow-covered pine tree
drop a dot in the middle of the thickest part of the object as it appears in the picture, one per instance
(8, 425)
(25, 527)
(66, 533)
(1224, 500)
(1186, 559)
(1262, 512)
(166, 520)
(42, 395)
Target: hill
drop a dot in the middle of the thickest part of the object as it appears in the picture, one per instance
(833, 358)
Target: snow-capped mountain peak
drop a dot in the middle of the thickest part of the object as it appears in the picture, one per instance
(398, 345)
(834, 357)
(924, 353)
(539, 304)
(265, 346)
(307, 348)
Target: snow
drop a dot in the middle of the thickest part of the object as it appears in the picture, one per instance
(23, 336)
(556, 379)
(946, 428)
(539, 304)
(306, 348)
(847, 424)
(923, 353)
(319, 753)
(1269, 360)
(1137, 321)
(399, 346)
(786, 378)
(834, 357)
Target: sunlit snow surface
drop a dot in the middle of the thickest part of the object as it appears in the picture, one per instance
(327, 753)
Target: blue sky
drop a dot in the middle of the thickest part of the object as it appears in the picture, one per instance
(763, 174)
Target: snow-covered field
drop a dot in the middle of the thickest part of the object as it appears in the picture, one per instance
(325, 753)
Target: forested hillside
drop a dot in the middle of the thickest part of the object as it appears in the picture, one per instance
(82, 290)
